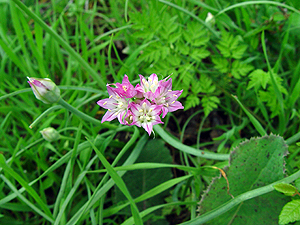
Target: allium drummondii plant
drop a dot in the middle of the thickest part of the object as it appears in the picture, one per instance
(141, 105)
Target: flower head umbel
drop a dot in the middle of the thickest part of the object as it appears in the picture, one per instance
(142, 105)
(44, 89)
(116, 105)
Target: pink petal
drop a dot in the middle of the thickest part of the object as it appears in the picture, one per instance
(148, 127)
(108, 116)
(165, 111)
(175, 106)
(105, 103)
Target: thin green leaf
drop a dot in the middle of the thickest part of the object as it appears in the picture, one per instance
(197, 152)
(120, 183)
(253, 120)
(62, 42)
(24, 184)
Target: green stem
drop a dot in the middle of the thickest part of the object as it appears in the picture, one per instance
(62, 42)
(256, 3)
(239, 199)
(83, 115)
(45, 113)
(197, 152)
(253, 120)
(293, 139)
(282, 123)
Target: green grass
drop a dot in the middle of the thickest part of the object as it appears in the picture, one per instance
(82, 46)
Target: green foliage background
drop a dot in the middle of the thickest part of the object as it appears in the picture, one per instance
(247, 52)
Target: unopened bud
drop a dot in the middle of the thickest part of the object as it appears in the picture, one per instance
(50, 134)
(44, 89)
(210, 19)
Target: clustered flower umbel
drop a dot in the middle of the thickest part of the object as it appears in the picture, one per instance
(141, 105)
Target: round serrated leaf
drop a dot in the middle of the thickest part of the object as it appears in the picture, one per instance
(253, 164)
(290, 212)
(286, 189)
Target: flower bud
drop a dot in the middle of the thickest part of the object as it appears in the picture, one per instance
(50, 134)
(44, 89)
(210, 19)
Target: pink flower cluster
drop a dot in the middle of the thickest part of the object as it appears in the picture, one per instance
(141, 105)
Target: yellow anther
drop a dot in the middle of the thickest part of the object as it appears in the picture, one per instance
(124, 88)
(144, 81)
(109, 110)
(149, 79)
(141, 117)
(148, 118)
(150, 110)
(175, 96)
(173, 102)
(110, 96)
(144, 105)
(167, 105)
(104, 103)
(169, 90)
(141, 110)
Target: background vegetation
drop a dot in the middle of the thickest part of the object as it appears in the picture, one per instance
(240, 75)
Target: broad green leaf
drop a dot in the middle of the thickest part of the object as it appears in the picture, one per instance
(286, 189)
(290, 212)
(254, 163)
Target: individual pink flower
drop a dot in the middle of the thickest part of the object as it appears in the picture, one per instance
(116, 105)
(167, 98)
(139, 91)
(128, 119)
(145, 115)
(126, 89)
(148, 87)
